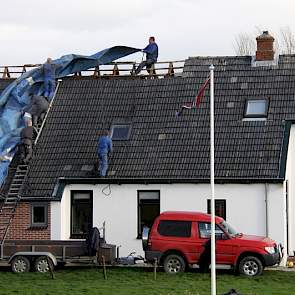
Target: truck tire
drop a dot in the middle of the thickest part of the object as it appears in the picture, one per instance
(20, 264)
(43, 264)
(174, 264)
(250, 266)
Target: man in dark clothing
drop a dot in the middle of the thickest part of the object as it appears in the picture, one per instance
(49, 70)
(151, 51)
(105, 147)
(26, 140)
(205, 258)
(37, 108)
(93, 241)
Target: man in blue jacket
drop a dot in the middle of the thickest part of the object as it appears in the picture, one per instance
(151, 51)
(105, 147)
(49, 70)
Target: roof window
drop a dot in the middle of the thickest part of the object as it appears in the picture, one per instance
(120, 131)
(256, 108)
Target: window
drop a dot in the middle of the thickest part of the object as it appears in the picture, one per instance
(81, 213)
(256, 108)
(205, 230)
(120, 131)
(175, 228)
(148, 209)
(39, 215)
(220, 208)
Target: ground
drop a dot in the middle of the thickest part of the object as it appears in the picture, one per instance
(141, 281)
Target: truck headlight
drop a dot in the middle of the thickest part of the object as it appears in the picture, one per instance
(270, 250)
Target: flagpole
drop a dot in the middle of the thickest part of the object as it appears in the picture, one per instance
(213, 264)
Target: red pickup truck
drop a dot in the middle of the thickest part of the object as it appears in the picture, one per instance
(177, 240)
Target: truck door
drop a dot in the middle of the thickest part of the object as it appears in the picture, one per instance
(224, 247)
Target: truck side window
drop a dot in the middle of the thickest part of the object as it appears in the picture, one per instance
(205, 230)
(175, 228)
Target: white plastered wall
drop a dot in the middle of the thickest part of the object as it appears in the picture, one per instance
(245, 209)
(290, 182)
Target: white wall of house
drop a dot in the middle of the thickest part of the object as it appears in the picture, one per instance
(245, 209)
(290, 188)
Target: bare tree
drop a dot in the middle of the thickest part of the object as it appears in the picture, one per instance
(287, 41)
(245, 44)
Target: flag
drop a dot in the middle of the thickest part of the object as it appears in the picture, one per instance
(197, 101)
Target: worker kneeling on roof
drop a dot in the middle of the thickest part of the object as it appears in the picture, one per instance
(105, 147)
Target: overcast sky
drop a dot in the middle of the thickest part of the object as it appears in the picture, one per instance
(31, 30)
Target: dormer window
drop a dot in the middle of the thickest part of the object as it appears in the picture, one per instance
(256, 108)
(120, 131)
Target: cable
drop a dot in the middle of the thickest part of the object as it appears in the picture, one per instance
(108, 186)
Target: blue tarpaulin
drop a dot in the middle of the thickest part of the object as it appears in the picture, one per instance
(15, 97)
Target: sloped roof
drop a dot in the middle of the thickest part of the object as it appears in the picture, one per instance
(161, 145)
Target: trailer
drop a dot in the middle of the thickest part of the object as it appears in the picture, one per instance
(44, 255)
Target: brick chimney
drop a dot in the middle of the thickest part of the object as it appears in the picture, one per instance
(265, 49)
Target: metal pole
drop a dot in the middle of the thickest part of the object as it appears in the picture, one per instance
(213, 265)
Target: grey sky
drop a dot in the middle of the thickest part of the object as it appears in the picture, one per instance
(31, 30)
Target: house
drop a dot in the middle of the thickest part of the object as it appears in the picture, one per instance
(162, 162)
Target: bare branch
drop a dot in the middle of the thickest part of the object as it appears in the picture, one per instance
(287, 40)
(245, 44)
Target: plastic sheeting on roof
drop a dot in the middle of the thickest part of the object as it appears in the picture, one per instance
(16, 97)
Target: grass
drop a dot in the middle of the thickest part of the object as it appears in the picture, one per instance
(139, 281)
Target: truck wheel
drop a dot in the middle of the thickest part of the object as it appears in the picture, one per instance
(250, 266)
(174, 264)
(43, 264)
(20, 264)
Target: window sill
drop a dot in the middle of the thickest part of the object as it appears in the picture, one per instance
(38, 227)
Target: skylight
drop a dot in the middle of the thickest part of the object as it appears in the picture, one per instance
(256, 108)
(121, 131)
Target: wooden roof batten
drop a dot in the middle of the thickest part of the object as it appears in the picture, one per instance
(114, 69)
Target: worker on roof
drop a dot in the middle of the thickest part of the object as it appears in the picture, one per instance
(105, 146)
(37, 108)
(49, 70)
(26, 135)
(151, 51)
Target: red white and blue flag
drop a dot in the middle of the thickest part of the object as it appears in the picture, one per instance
(197, 101)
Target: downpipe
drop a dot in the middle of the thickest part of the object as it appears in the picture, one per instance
(266, 209)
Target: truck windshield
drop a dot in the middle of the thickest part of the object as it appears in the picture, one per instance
(230, 230)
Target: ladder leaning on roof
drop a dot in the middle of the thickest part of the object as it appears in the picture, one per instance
(11, 199)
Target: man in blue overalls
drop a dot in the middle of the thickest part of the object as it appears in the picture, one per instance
(49, 70)
(151, 51)
(105, 147)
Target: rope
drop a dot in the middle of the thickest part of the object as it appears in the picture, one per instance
(107, 187)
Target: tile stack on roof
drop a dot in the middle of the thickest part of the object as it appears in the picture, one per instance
(161, 145)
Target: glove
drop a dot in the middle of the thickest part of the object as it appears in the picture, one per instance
(30, 81)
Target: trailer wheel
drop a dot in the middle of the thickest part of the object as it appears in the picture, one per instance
(43, 264)
(20, 264)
